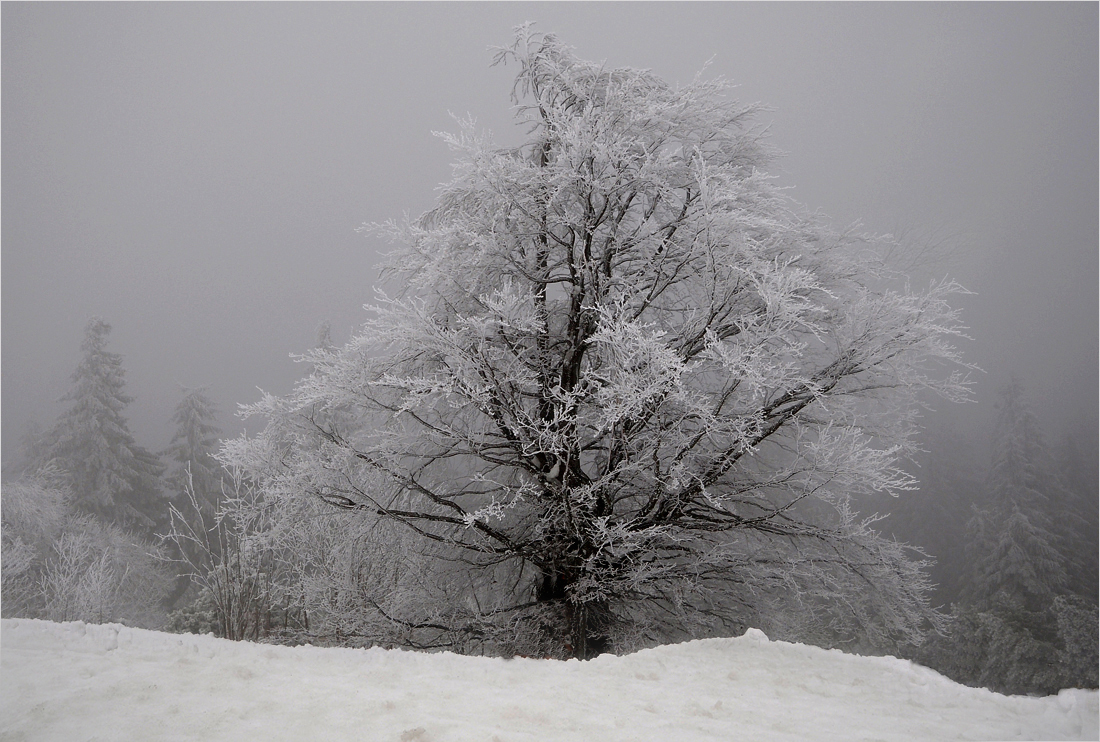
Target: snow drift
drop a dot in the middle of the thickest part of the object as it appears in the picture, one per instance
(76, 681)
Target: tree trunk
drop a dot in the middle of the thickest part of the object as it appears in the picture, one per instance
(584, 629)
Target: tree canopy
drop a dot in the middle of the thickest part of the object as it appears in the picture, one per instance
(626, 381)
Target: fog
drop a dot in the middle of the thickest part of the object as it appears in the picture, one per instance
(195, 173)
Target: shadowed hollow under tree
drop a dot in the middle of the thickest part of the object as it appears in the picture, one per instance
(625, 386)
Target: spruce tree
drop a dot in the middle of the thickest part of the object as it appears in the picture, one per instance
(192, 448)
(110, 474)
(1018, 554)
(1026, 621)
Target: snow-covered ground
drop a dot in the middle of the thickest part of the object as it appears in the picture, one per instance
(76, 681)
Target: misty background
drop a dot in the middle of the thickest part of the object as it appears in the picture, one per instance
(195, 173)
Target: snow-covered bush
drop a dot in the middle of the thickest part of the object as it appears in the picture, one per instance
(65, 566)
(225, 553)
(33, 514)
(273, 567)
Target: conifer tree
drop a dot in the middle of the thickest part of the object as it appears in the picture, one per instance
(193, 447)
(1018, 553)
(110, 475)
(1026, 619)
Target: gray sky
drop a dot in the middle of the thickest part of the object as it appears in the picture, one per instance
(195, 173)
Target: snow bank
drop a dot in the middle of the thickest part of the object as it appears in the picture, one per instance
(75, 681)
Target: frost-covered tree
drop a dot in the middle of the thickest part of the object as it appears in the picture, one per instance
(192, 449)
(62, 565)
(627, 381)
(110, 474)
(1025, 620)
(1017, 550)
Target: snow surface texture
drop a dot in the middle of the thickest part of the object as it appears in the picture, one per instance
(76, 681)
